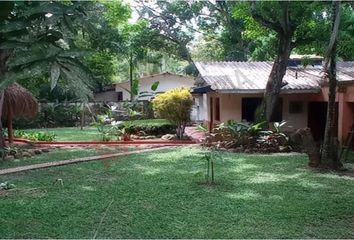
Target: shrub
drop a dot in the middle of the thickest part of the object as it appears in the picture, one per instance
(174, 105)
(249, 136)
(51, 115)
(149, 127)
(35, 136)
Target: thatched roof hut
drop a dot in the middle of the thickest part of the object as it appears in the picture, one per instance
(18, 102)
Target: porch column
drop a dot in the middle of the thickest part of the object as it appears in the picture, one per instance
(345, 118)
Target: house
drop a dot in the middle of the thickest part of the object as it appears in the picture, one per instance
(166, 81)
(108, 94)
(233, 90)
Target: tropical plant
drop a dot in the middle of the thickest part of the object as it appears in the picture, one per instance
(38, 38)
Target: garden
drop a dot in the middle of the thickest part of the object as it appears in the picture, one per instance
(94, 143)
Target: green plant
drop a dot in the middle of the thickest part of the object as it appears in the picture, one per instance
(202, 127)
(174, 105)
(6, 186)
(35, 136)
(149, 127)
(209, 176)
(101, 124)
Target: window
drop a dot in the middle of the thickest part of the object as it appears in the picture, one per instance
(296, 107)
(217, 109)
(119, 96)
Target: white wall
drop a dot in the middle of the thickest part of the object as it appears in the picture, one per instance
(166, 82)
(200, 108)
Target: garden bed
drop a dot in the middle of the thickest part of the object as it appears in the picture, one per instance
(130, 142)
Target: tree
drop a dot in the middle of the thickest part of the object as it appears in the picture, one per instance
(38, 39)
(174, 105)
(291, 21)
(329, 154)
(179, 22)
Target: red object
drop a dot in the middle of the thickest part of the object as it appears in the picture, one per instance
(132, 142)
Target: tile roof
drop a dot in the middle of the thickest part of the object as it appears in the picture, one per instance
(253, 76)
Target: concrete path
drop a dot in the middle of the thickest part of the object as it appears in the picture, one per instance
(79, 160)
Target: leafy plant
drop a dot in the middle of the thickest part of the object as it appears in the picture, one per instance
(202, 127)
(6, 186)
(209, 176)
(209, 157)
(35, 136)
(174, 105)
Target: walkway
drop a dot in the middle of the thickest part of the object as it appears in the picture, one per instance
(195, 134)
(79, 160)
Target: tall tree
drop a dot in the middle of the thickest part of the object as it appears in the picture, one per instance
(288, 20)
(329, 156)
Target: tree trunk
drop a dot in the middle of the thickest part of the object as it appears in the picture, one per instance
(275, 80)
(4, 55)
(131, 69)
(10, 132)
(82, 117)
(309, 145)
(329, 154)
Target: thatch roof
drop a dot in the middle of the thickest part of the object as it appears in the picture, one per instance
(20, 101)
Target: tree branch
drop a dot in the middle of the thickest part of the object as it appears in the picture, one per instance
(259, 18)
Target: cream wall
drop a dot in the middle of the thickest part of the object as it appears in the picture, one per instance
(295, 120)
(231, 108)
(166, 82)
(121, 87)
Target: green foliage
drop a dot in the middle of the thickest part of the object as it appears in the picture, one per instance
(149, 127)
(39, 36)
(7, 186)
(251, 135)
(210, 158)
(52, 115)
(202, 127)
(174, 105)
(101, 122)
(35, 136)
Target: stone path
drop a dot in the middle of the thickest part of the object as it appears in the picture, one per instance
(78, 160)
(195, 134)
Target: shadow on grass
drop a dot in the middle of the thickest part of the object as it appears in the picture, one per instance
(159, 195)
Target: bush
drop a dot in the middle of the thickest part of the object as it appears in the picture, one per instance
(174, 105)
(249, 137)
(149, 127)
(35, 136)
(51, 115)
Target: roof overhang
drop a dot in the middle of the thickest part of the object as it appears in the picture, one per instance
(201, 90)
(257, 91)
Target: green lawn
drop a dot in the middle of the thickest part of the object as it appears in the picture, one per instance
(62, 154)
(161, 195)
(71, 133)
(89, 133)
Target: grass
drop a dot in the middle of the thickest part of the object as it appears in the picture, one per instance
(90, 133)
(162, 195)
(61, 154)
(150, 122)
(71, 133)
